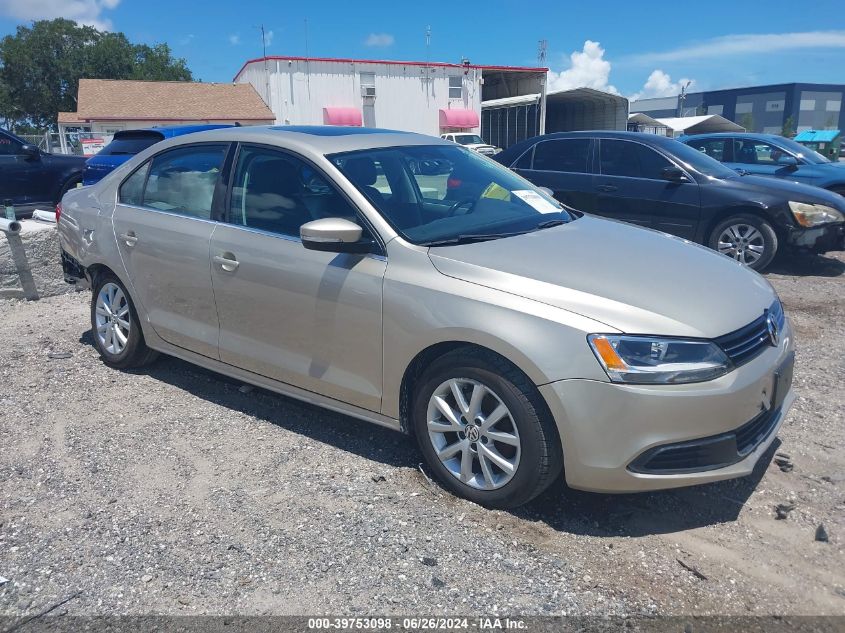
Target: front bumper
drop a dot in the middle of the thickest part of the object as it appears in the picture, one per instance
(820, 239)
(611, 431)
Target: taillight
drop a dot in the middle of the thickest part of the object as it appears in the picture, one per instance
(58, 212)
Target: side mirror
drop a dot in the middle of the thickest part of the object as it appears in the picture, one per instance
(674, 174)
(787, 161)
(333, 235)
(30, 151)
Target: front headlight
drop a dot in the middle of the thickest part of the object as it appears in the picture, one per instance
(656, 360)
(808, 215)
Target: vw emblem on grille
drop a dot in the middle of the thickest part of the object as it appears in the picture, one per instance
(772, 329)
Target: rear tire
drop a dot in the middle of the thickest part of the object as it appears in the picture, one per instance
(748, 239)
(498, 445)
(115, 326)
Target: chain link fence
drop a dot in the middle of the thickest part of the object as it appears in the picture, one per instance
(62, 143)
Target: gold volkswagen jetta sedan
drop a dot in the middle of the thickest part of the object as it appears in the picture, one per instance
(408, 281)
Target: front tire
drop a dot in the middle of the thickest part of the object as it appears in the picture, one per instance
(114, 324)
(748, 239)
(484, 429)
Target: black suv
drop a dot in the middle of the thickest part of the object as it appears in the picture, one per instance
(662, 184)
(33, 179)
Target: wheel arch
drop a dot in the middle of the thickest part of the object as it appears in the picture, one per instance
(425, 357)
(745, 209)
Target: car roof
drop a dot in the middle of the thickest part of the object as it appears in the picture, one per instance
(172, 130)
(317, 139)
(643, 137)
(773, 137)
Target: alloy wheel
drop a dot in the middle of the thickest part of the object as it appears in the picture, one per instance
(112, 318)
(473, 433)
(742, 242)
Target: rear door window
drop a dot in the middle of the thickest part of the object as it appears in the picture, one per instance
(631, 160)
(182, 180)
(718, 148)
(567, 155)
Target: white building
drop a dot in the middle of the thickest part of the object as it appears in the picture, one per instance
(504, 104)
(426, 97)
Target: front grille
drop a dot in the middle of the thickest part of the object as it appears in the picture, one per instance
(747, 342)
(707, 453)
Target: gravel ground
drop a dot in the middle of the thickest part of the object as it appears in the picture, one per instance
(174, 490)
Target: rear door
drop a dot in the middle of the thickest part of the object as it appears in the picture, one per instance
(563, 165)
(163, 224)
(631, 187)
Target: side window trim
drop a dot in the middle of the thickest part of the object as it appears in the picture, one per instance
(379, 251)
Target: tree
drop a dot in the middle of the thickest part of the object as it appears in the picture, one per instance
(747, 121)
(788, 129)
(41, 64)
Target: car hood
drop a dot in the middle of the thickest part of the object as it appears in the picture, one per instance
(789, 189)
(631, 279)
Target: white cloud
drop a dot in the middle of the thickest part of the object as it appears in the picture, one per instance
(187, 39)
(660, 84)
(235, 39)
(81, 11)
(747, 44)
(379, 39)
(268, 38)
(587, 69)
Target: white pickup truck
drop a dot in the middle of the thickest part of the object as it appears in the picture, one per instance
(472, 141)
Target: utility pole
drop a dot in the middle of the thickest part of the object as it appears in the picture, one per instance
(542, 45)
(682, 97)
(266, 70)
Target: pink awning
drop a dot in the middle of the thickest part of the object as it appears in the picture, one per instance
(342, 116)
(458, 117)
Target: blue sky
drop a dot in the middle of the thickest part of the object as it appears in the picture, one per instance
(642, 49)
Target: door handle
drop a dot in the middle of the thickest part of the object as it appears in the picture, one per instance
(129, 238)
(229, 264)
(607, 187)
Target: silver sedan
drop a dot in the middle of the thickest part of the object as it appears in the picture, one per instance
(413, 283)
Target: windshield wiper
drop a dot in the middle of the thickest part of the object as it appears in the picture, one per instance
(471, 238)
(743, 172)
(550, 223)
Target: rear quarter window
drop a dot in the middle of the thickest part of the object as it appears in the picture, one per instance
(132, 189)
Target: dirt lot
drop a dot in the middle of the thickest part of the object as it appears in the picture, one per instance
(171, 490)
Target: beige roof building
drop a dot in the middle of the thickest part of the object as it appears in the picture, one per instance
(105, 106)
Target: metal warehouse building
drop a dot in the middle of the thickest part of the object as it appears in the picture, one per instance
(765, 109)
(504, 104)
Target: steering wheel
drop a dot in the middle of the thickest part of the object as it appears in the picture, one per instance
(453, 210)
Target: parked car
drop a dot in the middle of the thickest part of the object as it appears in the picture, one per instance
(771, 155)
(31, 178)
(508, 333)
(472, 141)
(126, 143)
(659, 183)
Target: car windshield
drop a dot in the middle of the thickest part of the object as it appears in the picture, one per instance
(445, 194)
(802, 151)
(469, 139)
(699, 161)
(127, 144)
